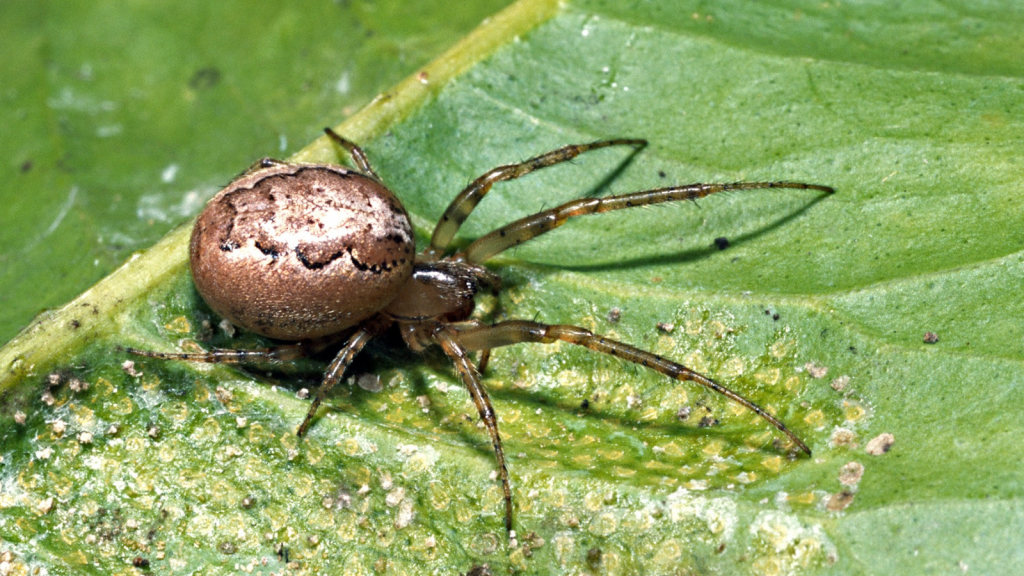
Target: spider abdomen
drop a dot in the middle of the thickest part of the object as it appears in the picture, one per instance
(298, 251)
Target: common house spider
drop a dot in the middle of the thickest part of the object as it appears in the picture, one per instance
(317, 253)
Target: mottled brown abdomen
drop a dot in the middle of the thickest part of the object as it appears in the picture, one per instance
(297, 251)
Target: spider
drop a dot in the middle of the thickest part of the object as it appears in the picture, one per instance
(315, 254)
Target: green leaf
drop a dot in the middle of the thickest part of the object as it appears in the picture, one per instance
(817, 310)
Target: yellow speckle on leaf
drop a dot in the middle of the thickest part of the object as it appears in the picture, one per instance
(668, 552)
(769, 376)
(208, 431)
(696, 361)
(150, 382)
(782, 348)
(569, 378)
(852, 411)
(179, 325)
(759, 439)
(350, 446)
(176, 411)
(314, 452)
(593, 501)
(673, 449)
(816, 419)
(603, 524)
(664, 345)
(694, 327)
(167, 451)
(803, 498)
(289, 441)
(84, 416)
(611, 454)
(773, 463)
(135, 444)
(202, 392)
(121, 407)
(733, 368)
(714, 448)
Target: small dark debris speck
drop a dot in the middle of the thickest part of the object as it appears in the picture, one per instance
(839, 501)
(721, 242)
(479, 570)
(707, 422)
(594, 557)
(205, 78)
(585, 404)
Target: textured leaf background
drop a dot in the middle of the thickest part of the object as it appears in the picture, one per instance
(817, 309)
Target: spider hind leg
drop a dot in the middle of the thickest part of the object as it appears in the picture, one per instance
(518, 331)
(231, 356)
(471, 378)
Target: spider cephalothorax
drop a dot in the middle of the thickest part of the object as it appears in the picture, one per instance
(304, 252)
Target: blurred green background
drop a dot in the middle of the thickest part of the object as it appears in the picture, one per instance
(120, 119)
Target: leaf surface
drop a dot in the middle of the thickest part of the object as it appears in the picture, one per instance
(816, 310)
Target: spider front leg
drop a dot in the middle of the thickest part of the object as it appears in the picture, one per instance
(463, 204)
(471, 378)
(532, 226)
(357, 154)
(337, 368)
(518, 331)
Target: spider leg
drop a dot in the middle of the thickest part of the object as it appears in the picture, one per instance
(532, 226)
(482, 360)
(517, 331)
(229, 356)
(466, 201)
(354, 151)
(471, 378)
(261, 164)
(336, 370)
(484, 356)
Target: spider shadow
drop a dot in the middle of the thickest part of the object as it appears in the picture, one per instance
(615, 420)
(605, 184)
(693, 254)
(458, 427)
(388, 352)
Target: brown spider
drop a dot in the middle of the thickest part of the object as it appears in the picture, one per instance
(306, 252)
